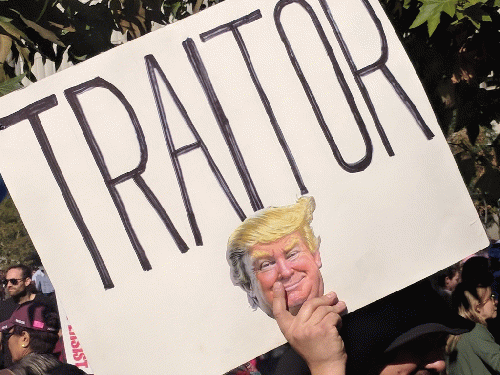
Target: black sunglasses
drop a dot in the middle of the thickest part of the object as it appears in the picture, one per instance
(6, 335)
(12, 281)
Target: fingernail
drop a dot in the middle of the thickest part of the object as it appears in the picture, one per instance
(331, 294)
(277, 285)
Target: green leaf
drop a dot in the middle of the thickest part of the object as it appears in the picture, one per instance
(449, 8)
(44, 33)
(497, 3)
(80, 58)
(430, 12)
(426, 12)
(14, 31)
(11, 84)
(432, 24)
(475, 14)
(175, 7)
(476, 24)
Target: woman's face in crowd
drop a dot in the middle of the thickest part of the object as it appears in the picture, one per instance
(487, 307)
(15, 348)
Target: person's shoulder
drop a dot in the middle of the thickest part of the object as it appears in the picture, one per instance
(481, 329)
(480, 332)
(7, 307)
(66, 369)
(46, 300)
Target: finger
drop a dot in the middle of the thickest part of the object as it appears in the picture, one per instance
(311, 305)
(320, 313)
(281, 314)
(340, 308)
(330, 324)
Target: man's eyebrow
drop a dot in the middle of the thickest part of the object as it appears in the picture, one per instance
(291, 245)
(257, 254)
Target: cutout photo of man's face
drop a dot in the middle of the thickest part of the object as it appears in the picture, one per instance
(290, 261)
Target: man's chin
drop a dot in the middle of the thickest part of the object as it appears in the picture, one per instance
(294, 306)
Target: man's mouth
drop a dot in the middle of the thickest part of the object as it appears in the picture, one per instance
(292, 285)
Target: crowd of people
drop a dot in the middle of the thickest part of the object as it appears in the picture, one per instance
(446, 324)
(31, 337)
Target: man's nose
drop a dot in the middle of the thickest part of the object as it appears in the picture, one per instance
(438, 366)
(284, 268)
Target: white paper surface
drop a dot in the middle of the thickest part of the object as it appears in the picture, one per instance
(386, 223)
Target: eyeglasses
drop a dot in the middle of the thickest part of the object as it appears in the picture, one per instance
(493, 297)
(12, 281)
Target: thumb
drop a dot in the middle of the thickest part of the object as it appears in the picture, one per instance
(281, 314)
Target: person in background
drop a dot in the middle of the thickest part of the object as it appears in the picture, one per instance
(476, 270)
(494, 256)
(446, 281)
(402, 334)
(2, 290)
(17, 284)
(31, 334)
(474, 352)
(42, 282)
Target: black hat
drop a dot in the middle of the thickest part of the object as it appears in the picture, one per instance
(383, 326)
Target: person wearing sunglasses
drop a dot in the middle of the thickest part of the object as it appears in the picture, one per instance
(17, 284)
(475, 352)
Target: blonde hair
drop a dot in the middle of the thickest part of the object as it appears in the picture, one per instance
(269, 225)
(467, 300)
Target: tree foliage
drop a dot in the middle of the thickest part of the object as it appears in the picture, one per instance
(15, 244)
(455, 48)
(79, 29)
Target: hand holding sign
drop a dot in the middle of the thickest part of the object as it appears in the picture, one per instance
(313, 332)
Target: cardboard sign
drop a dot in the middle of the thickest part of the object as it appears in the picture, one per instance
(72, 348)
(132, 169)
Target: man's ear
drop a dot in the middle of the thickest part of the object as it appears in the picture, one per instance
(317, 255)
(27, 282)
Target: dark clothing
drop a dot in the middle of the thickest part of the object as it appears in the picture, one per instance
(291, 363)
(7, 307)
(66, 369)
(43, 364)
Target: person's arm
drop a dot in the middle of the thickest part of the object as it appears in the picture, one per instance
(313, 332)
(487, 349)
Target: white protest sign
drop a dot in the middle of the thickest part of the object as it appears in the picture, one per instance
(132, 169)
(72, 348)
